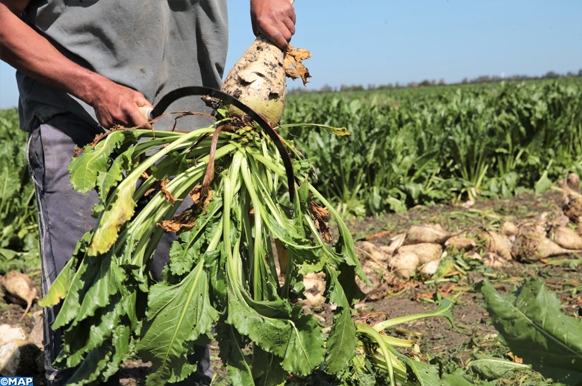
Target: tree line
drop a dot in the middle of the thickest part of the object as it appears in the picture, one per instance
(429, 83)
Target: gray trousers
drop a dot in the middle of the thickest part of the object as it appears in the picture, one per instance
(64, 215)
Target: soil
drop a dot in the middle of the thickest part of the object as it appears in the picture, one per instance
(435, 336)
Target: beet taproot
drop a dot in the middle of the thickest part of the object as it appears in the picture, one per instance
(571, 204)
(404, 263)
(371, 251)
(493, 260)
(395, 243)
(20, 290)
(427, 234)
(509, 230)
(314, 287)
(430, 268)
(495, 243)
(461, 243)
(532, 246)
(426, 252)
(566, 238)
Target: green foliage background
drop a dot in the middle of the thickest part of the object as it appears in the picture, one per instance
(430, 145)
(18, 224)
(407, 147)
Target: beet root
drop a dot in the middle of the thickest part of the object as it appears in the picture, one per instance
(572, 204)
(461, 243)
(532, 246)
(396, 242)
(427, 234)
(495, 243)
(19, 289)
(404, 263)
(426, 252)
(430, 268)
(566, 238)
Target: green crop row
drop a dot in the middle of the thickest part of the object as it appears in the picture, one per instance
(18, 224)
(431, 145)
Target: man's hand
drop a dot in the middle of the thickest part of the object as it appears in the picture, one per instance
(116, 104)
(275, 19)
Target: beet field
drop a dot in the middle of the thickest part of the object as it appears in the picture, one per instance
(439, 243)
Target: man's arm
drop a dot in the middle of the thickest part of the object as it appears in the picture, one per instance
(275, 19)
(30, 53)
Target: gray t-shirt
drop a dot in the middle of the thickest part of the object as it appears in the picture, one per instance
(152, 46)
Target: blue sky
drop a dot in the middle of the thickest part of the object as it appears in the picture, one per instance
(387, 41)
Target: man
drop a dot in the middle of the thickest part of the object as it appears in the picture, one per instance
(85, 65)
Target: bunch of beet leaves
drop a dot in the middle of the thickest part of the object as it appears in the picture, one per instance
(222, 270)
(222, 276)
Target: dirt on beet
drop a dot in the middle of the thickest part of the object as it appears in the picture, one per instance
(435, 336)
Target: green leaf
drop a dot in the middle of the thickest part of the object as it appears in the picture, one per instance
(543, 184)
(60, 286)
(492, 368)
(230, 343)
(110, 178)
(63, 282)
(347, 279)
(454, 380)
(92, 366)
(444, 309)
(298, 340)
(420, 373)
(535, 329)
(345, 245)
(176, 314)
(86, 272)
(173, 164)
(341, 343)
(9, 183)
(267, 369)
(104, 285)
(214, 264)
(123, 351)
(89, 334)
(8, 254)
(186, 252)
(84, 169)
